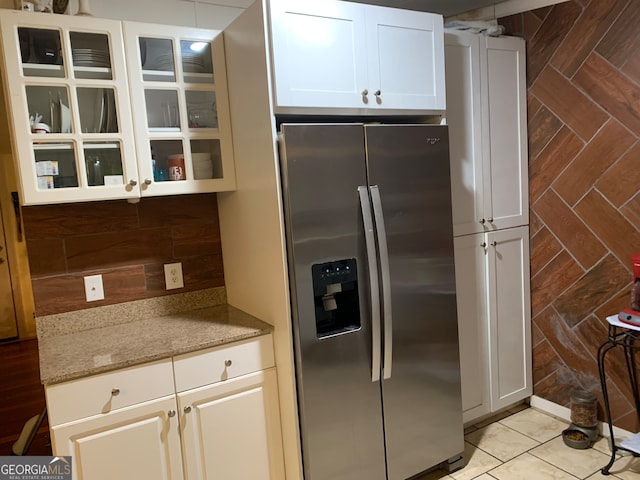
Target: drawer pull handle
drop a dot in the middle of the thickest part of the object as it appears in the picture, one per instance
(187, 409)
(115, 392)
(227, 363)
(171, 413)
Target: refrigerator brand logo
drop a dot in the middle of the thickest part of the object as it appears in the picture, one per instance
(433, 140)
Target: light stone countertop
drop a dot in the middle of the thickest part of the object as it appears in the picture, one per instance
(102, 344)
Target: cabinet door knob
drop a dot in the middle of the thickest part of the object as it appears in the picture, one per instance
(133, 183)
(171, 413)
(115, 392)
(490, 219)
(494, 243)
(227, 363)
(483, 244)
(377, 93)
(482, 221)
(365, 92)
(147, 181)
(187, 409)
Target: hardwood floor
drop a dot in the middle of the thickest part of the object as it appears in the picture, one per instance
(22, 396)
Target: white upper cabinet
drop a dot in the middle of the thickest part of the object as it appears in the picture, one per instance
(405, 58)
(344, 55)
(464, 118)
(181, 111)
(486, 114)
(98, 115)
(504, 117)
(318, 53)
(68, 97)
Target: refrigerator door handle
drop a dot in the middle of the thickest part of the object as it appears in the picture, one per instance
(373, 282)
(381, 234)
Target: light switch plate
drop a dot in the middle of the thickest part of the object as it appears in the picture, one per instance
(93, 288)
(173, 275)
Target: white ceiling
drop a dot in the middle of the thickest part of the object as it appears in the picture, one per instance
(443, 7)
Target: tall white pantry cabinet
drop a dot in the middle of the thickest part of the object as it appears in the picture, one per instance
(486, 114)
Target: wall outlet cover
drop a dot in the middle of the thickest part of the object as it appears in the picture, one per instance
(93, 288)
(173, 275)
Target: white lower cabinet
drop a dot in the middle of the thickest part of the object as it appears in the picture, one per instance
(141, 442)
(231, 430)
(473, 325)
(494, 318)
(137, 423)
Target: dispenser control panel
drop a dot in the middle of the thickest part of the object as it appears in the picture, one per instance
(335, 292)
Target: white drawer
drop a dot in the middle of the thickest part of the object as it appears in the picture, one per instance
(220, 363)
(106, 392)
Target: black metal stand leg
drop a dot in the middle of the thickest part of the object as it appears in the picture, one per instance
(631, 368)
(602, 351)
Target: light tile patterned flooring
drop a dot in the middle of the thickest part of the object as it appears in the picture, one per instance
(526, 444)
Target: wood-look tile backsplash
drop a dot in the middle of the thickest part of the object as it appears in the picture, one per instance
(583, 71)
(128, 244)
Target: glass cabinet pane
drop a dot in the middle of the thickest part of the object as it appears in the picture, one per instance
(48, 109)
(97, 110)
(196, 61)
(201, 109)
(157, 59)
(103, 163)
(168, 160)
(40, 52)
(55, 165)
(162, 110)
(206, 159)
(91, 55)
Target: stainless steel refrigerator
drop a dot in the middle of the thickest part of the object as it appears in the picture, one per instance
(370, 247)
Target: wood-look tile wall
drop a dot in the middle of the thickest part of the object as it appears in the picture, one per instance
(583, 73)
(128, 244)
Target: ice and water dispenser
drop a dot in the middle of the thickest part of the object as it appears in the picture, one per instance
(335, 292)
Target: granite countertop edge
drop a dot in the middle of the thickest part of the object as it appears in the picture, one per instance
(77, 354)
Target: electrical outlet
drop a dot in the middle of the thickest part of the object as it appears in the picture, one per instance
(93, 288)
(173, 275)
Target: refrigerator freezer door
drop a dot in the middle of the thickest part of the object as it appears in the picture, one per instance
(339, 404)
(422, 399)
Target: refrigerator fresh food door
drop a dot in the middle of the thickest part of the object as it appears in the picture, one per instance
(408, 165)
(339, 401)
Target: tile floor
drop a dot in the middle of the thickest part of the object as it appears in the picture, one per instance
(526, 444)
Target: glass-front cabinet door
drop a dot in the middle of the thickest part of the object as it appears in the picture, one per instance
(179, 97)
(69, 106)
